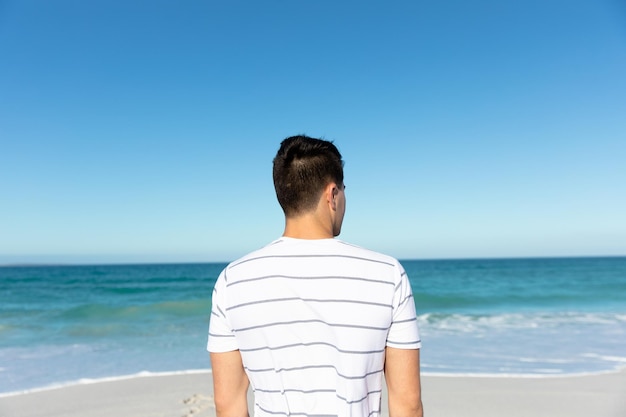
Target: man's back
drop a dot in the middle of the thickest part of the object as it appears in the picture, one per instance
(312, 319)
(312, 322)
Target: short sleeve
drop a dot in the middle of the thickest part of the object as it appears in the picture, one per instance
(221, 337)
(403, 333)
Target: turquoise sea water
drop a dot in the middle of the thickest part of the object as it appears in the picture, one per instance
(60, 324)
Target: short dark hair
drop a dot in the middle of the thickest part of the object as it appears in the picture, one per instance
(303, 166)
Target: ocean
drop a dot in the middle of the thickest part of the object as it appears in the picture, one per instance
(526, 317)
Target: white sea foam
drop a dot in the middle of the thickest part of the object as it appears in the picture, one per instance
(517, 375)
(608, 358)
(474, 322)
(89, 381)
(545, 360)
(620, 317)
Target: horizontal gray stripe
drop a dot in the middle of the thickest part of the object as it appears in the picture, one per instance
(277, 391)
(360, 399)
(405, 343)
(284, 323)
(406, 321)
(259, 370)
(304, 368)
(308, 300)
(220, 335)
(275, 348)
(292, 413)
(277, 413)
(312, 278)
(328, 391)
(359, 258)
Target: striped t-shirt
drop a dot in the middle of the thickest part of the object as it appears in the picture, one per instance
(311, 319)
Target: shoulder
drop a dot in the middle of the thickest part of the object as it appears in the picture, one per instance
(300, 249)
(267, 251)
(358, 251)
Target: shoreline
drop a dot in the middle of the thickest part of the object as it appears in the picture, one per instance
(90, 381)
(149, 374)
(189, 393)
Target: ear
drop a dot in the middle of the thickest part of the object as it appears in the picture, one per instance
(331, 194)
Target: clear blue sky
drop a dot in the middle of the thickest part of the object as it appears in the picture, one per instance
(143, 131)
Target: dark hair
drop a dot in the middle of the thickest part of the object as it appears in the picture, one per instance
(303, 166)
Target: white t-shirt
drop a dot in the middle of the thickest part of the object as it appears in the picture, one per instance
(311, 319)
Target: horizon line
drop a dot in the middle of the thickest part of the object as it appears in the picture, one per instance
(204, 262)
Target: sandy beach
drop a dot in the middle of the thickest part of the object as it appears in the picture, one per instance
(186, 395)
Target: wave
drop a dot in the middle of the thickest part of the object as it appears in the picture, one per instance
(607, 358)
(472, 322)
(88, 381)
(520, 375)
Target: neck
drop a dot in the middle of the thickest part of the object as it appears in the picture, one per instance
(307, 226)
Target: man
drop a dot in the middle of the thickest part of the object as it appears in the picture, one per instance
(311, 322)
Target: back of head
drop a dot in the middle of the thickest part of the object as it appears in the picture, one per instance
(303, 166)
